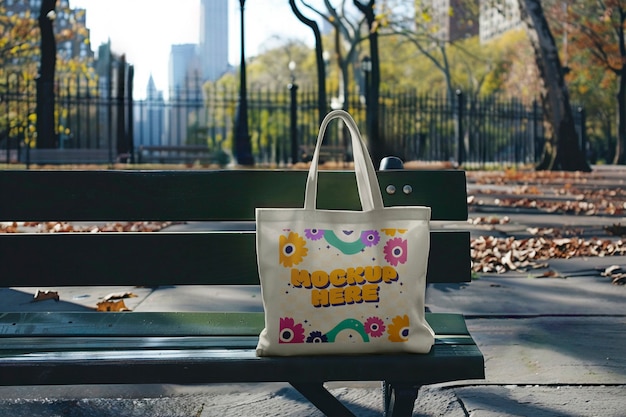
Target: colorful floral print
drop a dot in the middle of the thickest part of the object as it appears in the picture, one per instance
(314, 234)
(396, 251)
(392, 232)
(290, 332)
(375, 327)
(317, 337)
(399, 329)
(292, 249)
(370, 237)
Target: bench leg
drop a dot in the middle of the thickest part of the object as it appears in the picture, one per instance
(399, 399)
(322, 399)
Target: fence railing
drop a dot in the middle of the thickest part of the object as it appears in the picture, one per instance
(424, 127)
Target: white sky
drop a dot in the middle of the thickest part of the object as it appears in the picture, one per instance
(145, 33)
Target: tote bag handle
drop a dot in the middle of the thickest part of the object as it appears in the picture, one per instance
(367, 182)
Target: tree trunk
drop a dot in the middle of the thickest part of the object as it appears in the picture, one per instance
(322, 102)
(561, 151)
(376, 141)
(620, 144)
(46, 137)
(619, 157)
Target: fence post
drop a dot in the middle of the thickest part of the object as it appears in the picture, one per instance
(460, 146)
(293, 89)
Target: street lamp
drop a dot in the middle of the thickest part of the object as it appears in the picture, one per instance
(366, 66)
(293, 89)
(243, 147)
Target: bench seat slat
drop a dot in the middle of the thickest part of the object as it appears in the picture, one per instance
(168, 324)
(165, 258)
(209, 195)
(445, 362)
(14, 347)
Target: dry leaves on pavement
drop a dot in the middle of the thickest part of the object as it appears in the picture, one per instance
(65, 227)
(494, 254)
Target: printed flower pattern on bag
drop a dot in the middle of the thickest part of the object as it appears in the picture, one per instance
(293, 246)
(313, 234)
(398, 330)
(333, 285)
(375, 327)
(317, 337)
(396, 251)
(292, 249)
(370, 238)
(290, 332)
(392, 232)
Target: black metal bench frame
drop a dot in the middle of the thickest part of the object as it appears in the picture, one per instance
(50, 348)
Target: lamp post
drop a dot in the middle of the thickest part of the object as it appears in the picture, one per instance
(366, 66)
(243, 147)
(293, 89)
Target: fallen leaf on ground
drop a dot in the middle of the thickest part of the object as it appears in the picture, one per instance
(116, 305)
(550, 274)
(46, 295)
(610, 270)
(118, 296)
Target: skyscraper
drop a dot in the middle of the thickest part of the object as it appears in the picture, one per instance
(213, 45)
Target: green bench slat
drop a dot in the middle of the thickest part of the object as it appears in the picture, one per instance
(21, 345)
(444, 363)
(209, 195)
(211, 258)
(170, 324)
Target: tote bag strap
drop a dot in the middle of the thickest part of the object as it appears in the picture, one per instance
(367, 182)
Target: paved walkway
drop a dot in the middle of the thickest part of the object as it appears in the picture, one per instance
(553, 346)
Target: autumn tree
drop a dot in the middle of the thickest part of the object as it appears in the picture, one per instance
(424, 27)
(348, 35)
(18, 54)
(597, 31)
(562, 151)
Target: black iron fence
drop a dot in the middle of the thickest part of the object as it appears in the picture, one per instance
(426, 127)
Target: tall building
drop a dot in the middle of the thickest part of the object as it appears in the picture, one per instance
(185, 84)
(183, 65)
(453, 19)
(213, 43)
(494, 21)
(150, 117)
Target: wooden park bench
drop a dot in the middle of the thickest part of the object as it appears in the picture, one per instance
(88, 347)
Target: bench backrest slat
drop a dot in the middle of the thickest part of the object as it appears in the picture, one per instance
(208, 195)
(219, 258)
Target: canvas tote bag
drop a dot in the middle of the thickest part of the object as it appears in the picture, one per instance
(339, 281)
